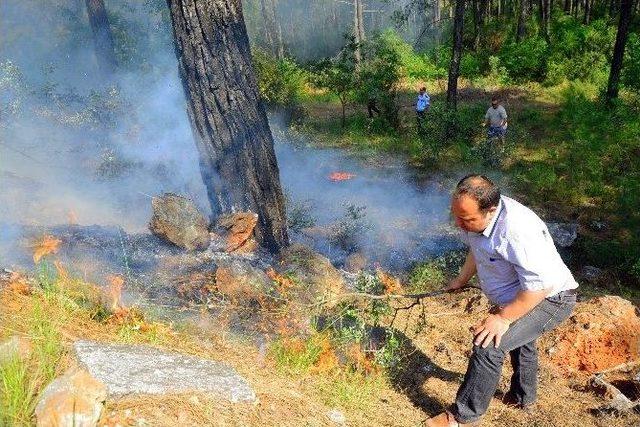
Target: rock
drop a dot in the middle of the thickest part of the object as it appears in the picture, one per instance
(176, 219)
(316, 271)
(617, 403)
(136, 369)
(563, 234)
(591, 274)
(337, 417)
(602, 333)
(75, 399)
(355, 262)
(15, 347)
(598, 225)
(236, 231)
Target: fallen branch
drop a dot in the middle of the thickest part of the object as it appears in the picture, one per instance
(398, 296)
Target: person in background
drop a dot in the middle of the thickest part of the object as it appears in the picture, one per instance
(422, 106)
(496, 119)
(530, 287)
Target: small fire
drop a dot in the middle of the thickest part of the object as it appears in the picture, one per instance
(115, 291)
(48, 245)
(340, 176)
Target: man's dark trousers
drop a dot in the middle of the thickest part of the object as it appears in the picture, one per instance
(483, 374)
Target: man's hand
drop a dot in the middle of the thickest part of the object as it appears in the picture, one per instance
(454, 285)
(490, 329)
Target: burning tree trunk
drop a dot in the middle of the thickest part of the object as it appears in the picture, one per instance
(237, 159)
(626, 7)
(102, 37)
(454, 67)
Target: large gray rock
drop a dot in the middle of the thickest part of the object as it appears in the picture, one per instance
(137, 369)
(562, 233)
(176, 219)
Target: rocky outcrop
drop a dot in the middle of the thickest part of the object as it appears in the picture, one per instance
(177, 220)
(235, 232)
(137, 369)
(75, 399)
(323, 280)
(563, 234)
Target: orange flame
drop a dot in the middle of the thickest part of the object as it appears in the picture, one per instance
(115, 291)
(340, 176)
(48, 245)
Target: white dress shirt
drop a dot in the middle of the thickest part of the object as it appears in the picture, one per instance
(516, 252)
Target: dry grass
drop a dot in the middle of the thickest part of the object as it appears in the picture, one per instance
(426, 383)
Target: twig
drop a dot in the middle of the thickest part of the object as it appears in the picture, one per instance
(398, 296)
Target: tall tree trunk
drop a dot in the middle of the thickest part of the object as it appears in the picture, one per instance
(612, 8)
(272, 28)
(229, 123)
(618, 50)
(102, 36)
(545, 9)
(454, 67)
(358, 28)
(481, 12)
(522, 21)
(587, 12)
(567, 7)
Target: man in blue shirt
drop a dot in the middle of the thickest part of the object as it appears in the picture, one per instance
(422, 106)
(520, 271)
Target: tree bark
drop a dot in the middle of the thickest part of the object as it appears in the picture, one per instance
(358, 28)
(618, 49)
(272, 28)
(545, 9)
(483, 5)
(522, 21)
(587, 12)
(102, 36)
(454, 67)
(229, 122)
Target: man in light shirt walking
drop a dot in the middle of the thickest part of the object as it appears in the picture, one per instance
(496, 119)
(522, 274)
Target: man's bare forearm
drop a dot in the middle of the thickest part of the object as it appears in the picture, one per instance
(523, 303)
(467, 271)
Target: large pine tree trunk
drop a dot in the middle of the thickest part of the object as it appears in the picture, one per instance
(481, 14)
(454, 67)
(102, 37)
(618, 50)
(235, 145)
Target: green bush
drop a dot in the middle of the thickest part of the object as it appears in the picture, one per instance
(525, 60)
(281, 82)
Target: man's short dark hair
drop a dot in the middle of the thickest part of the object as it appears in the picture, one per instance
(479, 188)
(423, 89)
(495, 98)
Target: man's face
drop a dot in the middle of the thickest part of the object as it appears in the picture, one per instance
(422, 92)
(468, 215)
(495, 104)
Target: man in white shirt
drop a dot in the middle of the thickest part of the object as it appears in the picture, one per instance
(496, 119)
(521, 272)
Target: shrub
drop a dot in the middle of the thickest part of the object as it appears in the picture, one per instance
(281, 82)
(525, 60)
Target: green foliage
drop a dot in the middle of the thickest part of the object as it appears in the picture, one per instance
(281, 82)
(434, 273)
(347, 232)
(631, 67)
(525, 60)
(299, 215)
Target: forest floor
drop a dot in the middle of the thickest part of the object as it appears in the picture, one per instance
(290, 392)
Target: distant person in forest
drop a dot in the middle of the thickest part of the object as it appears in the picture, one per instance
(496, 119)
(422, 106)
(531, 290)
